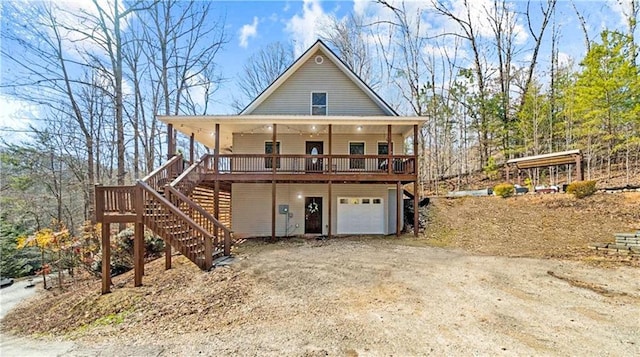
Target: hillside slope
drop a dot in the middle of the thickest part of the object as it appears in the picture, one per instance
(549, 226)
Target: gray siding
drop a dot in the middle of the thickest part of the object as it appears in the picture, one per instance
(295, 143)
(251, 205)
(294, 96)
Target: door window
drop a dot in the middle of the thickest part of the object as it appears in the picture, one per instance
(356, 148)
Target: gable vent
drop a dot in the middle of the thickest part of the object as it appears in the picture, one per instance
(319, 59)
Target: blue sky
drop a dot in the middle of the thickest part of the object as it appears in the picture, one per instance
(252, 25)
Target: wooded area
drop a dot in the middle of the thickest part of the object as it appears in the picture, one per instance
(97, 89)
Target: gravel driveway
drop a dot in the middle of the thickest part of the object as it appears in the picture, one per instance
(380, 297)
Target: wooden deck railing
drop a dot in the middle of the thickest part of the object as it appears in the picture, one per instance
(192, 176)
(324, 164)
(114, 200)
(165, 173)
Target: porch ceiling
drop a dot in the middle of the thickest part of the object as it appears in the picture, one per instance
(203, 127)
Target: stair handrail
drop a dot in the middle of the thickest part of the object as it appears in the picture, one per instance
(153, 179)
(208, 237)
(173, 192)
(190, 171)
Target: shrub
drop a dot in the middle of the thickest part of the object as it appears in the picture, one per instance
(582, 189)
(504, 190)
(122, 255)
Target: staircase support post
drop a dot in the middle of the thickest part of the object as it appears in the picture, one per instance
(167, 255)
(227, 244)
(106, 258)
(138, 242)
(208, 252)
(138, 253)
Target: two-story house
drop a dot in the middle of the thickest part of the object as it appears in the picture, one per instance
(316, 153)
(331, 137)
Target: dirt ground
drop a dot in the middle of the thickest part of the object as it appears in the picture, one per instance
(539, 226)
(443, 294)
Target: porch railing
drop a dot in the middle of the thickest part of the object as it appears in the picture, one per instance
(319, 164)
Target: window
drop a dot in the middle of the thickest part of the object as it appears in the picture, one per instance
(319, 103)
(268, 149)
(377, 201)
(344, 201)
(356, 148)
(366, 201)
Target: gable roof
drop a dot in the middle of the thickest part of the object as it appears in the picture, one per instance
(319, 46)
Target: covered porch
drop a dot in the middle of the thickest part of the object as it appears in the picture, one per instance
(395, 162)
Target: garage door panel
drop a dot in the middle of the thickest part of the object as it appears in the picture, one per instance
(360, 215)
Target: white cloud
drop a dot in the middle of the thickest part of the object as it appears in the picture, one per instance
(305, 28)
(248, 31)
(564, 59)
(197, 88)
(360, 7)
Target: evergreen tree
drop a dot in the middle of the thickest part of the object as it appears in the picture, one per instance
(606, 99)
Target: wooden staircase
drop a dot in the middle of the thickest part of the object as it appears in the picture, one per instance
(177, 219)
(161, 202)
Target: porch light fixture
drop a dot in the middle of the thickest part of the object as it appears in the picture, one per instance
(269, 127)
(359, 128)
(313, 127)
(299, 196)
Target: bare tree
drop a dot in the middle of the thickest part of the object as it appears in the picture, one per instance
(47, 75)
(469, 32)
(261, 69)
(583, 26)
(347, 37)
(402, 53)
(546, 12)
(182, 42)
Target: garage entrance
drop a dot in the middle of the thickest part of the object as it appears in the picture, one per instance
(360, 215)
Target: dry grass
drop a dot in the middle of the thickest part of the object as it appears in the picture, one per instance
(180, 295)
(539, 226)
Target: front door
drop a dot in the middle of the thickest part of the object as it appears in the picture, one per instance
(313, 215)
(314, 148)
(383, 149)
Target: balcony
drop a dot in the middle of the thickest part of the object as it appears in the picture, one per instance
(318, 168)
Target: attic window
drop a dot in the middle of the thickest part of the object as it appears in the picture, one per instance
(318, 103)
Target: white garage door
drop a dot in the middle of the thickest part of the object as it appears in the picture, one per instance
(360, 215)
